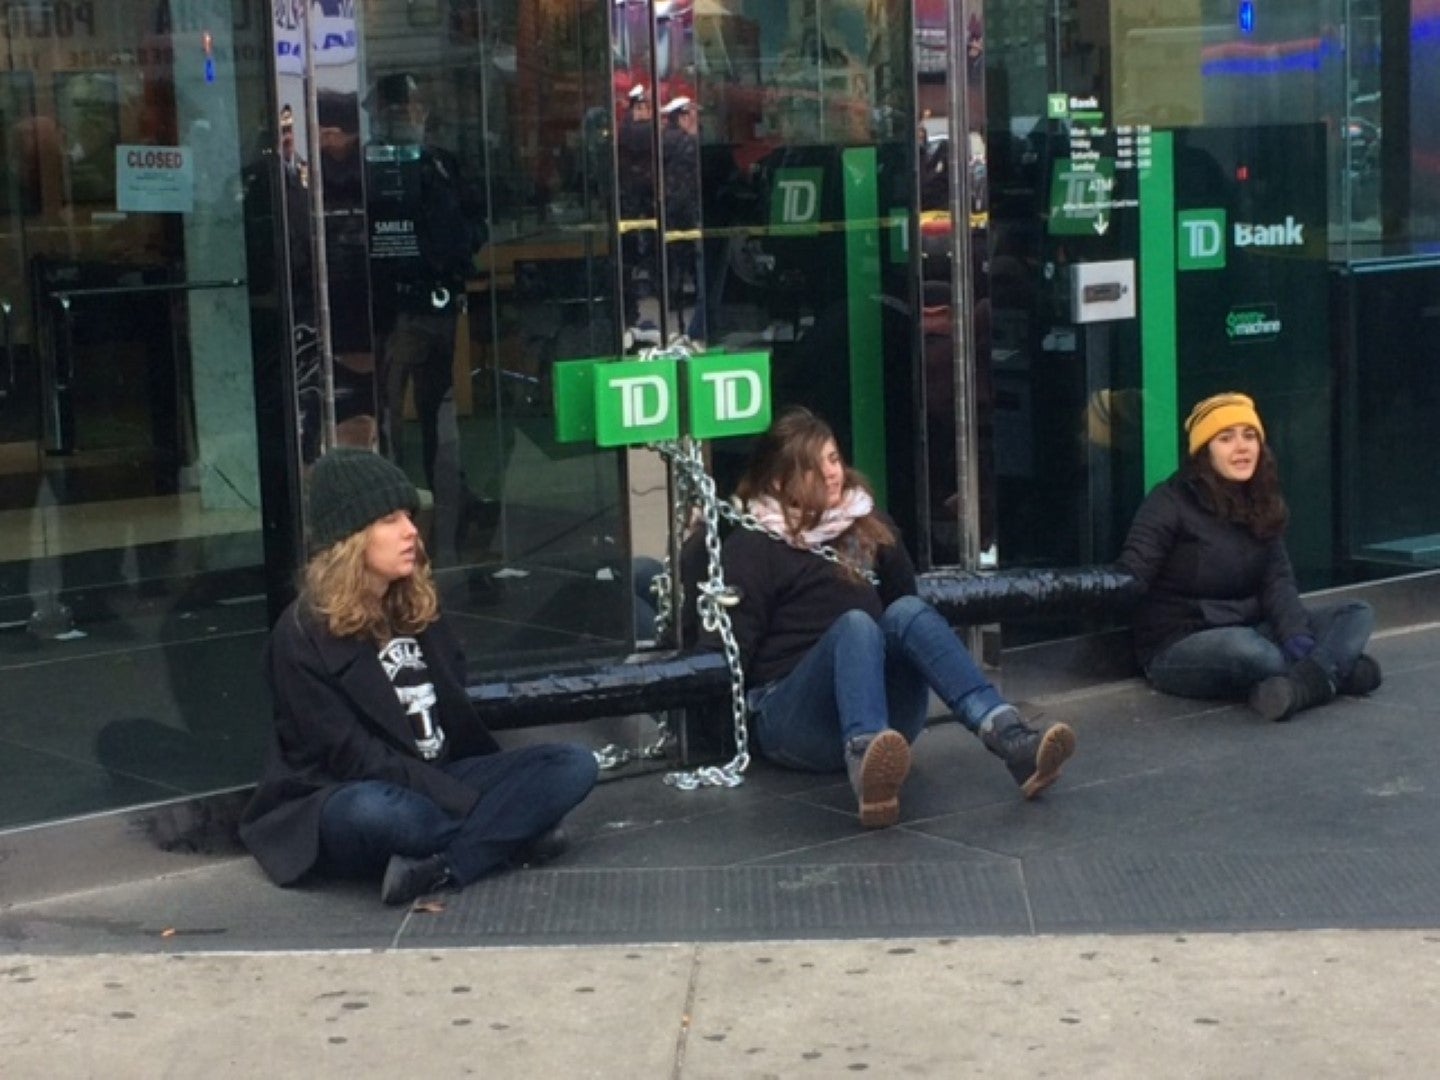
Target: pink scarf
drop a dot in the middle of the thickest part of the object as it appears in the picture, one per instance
(854, 504)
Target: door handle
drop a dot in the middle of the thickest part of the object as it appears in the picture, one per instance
(8, 386)
(64, 356)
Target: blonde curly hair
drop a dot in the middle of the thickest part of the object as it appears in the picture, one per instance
(337, 586)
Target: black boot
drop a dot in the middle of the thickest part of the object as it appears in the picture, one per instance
(1364, 677)
(550, 844)
(407, 878)
(1304, 686)
(877, 765)
(1034, 758)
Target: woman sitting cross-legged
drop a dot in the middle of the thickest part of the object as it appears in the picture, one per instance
(1220, 616)
(378, 765)
(839, 653)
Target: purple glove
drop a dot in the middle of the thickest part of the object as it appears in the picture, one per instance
(1297, 646)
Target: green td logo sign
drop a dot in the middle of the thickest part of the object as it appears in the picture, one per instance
(729, 395)
(1200, 244)
(635, 401)
(795, 201)
(627, 402)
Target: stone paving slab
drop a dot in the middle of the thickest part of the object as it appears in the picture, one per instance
(1315, 1005)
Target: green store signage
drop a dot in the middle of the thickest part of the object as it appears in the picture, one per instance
(1082, 197)
(795, 201)
(629, 402)
(1200, 244)
(1260, 322)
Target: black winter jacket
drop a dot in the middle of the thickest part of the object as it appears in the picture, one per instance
(338, 719)
(1199, 571)
(789, 597)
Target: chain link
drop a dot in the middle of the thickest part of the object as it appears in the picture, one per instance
(614, 755)
(747, 520)
(712, 603)
(694, 488)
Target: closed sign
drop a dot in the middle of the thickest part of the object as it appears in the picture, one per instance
(155, 179)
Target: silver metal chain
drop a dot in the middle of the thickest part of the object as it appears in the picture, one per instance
(614, 755)
(712, 603)
(695, 488)
(746, 520)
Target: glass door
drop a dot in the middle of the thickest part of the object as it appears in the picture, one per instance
(471, 253)
(131, 591)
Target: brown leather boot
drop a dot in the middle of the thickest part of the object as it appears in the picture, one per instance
(878, 765)
(1033, 757)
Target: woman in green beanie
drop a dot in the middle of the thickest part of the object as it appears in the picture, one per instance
(1220, 616)
(378, 765)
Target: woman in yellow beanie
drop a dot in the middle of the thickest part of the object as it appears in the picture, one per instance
(1220, 616)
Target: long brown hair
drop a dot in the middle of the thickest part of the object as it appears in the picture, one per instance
(785, 465)
(1255, 505)
(337, 586)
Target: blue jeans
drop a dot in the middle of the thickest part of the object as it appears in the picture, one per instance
(1227, 661)
(864, 676)
(522, 793)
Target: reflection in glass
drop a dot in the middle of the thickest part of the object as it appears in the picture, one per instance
(132, 601)
(488, 198)
(806, 128)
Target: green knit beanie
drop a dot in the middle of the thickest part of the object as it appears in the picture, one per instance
(349, 489)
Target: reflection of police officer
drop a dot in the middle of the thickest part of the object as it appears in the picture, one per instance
(426, 223)
(680, 149)
(296, 183)
(633, 147)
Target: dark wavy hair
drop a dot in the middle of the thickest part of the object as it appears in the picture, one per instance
(785, 465)
(1255, 505)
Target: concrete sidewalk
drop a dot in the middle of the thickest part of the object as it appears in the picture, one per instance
(1315, 1005)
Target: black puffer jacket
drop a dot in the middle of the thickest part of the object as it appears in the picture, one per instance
(1199, 571)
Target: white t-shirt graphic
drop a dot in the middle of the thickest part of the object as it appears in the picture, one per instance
(404, 665)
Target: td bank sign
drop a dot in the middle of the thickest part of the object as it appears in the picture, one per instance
(1200, 242)
(628, 402)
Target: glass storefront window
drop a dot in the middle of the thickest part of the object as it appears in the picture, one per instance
(1232, 171)
(132, 593)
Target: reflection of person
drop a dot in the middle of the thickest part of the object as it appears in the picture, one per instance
(1220, 616)
(426, 224)
(635, 164)
(680, 150)
(840, 668)
(348, 292)
(295, 184)
(934, 165)
(377, 761)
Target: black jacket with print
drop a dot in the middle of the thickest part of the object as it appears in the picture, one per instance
(1199, 571)
(338, 719)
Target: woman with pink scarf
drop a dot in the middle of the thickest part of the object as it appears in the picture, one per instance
(839, 653)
